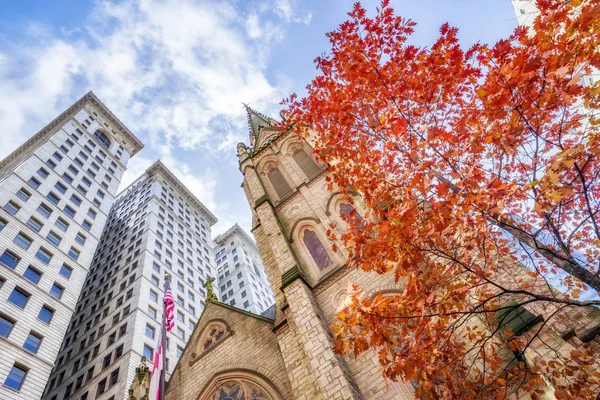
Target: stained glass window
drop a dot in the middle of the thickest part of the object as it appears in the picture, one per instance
(316, 249)
(279, 183)
(239, 390)
(347, 211)
(307, 164)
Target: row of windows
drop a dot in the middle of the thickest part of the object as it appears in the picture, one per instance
(180, 300)
(82, 307)
(24, 241)
(180, 333)
(168, 197)
(20, 297)
(46, 211)
(32, 342)
(53, 197)
(201, 249)
(34, 275)
(110, 266)
(88, 357)
(90, 147)
(82, 158)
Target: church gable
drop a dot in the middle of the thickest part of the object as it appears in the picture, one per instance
(231, 351)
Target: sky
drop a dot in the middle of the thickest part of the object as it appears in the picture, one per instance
(176, 72)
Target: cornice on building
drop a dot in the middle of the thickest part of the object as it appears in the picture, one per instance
(112, 118)
(159, 168)
(231, 232)
(42, 136)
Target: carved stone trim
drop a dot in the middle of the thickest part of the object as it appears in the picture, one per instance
(203, 336)
(256, 374)
(292, 275)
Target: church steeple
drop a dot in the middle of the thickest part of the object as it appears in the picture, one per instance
(256, 121)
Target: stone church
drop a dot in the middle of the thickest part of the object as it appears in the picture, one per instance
(287, 353)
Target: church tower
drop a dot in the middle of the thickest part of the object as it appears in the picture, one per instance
(292, 209)
(286, 353)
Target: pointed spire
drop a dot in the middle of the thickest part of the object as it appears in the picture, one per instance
(257, 120)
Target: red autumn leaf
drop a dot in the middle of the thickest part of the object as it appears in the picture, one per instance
(480, 172)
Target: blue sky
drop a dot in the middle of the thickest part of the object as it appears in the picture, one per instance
(176, 71)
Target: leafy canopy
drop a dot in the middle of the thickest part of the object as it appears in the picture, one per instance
(480, 170)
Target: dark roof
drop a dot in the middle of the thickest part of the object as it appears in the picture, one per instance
(257, 120)
(269, 312)
(241, 311)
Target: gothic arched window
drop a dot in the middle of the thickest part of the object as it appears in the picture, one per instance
(306, 164)
(350, 214)
(316, 249)
(279, 183)
(102, 138)
(239, 390)
(239, 385)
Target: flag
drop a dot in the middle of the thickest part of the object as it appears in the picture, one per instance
(169, 307)
(157, 382)
(155, 390)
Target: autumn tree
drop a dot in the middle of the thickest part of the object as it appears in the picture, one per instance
(480, 171)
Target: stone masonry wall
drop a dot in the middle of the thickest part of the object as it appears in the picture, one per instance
(252, 347)
(332, 376)
(330, 295)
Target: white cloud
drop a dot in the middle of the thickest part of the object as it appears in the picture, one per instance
(286, 10)
(36, 96)
(174, 71)
(135, 168)
(253, 27)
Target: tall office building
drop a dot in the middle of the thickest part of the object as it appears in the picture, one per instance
(56, 191)
(156, 226)
(241, 276)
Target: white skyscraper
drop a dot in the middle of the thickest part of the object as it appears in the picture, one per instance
(155, 227)
(56, 191)
(242, 279)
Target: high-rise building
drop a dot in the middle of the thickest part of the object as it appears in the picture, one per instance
(155, 227)
(56, 191)
(241, 276)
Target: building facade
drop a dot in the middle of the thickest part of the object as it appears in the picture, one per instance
(155, 227)
(233, 353)
(242, 280)
(56, 191)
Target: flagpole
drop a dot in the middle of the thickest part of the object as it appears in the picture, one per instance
(163, 338)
